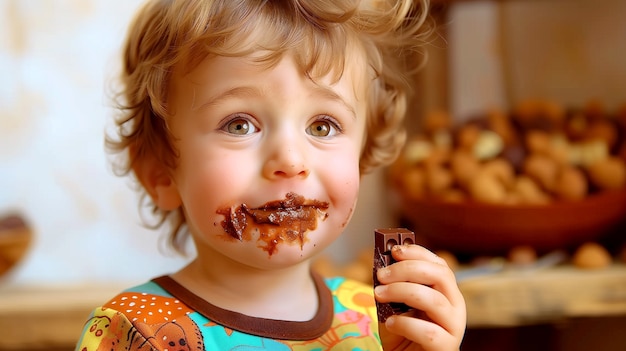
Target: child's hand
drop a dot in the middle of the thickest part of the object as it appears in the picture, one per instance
(424, 281)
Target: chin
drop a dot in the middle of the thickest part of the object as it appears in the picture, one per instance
(282, 256)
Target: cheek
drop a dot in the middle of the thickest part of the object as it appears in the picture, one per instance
(342, 180)
(208, 181)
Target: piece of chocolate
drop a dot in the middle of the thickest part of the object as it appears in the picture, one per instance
(384, 241)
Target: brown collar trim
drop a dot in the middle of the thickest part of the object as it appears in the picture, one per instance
(270, 328)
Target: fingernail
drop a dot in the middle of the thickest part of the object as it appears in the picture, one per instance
(398, 249)
(380, 290)
(390, 321)
(383, 272)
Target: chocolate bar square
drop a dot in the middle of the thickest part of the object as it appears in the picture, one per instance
(384, 241)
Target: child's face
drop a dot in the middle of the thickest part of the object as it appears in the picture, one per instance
(247, 136)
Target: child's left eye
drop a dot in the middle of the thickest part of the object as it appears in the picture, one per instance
(240, 126)
(323, 128)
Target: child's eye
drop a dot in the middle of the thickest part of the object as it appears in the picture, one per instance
(323, 128)
(239, 125)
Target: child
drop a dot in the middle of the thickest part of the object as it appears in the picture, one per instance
(249, 123)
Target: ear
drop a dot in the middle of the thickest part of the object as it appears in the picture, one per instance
(156, 179)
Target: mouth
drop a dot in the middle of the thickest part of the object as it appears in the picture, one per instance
(280, 221)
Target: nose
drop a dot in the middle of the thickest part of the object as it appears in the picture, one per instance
(284, 162)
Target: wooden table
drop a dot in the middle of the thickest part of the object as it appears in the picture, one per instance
(557, 309)
(521, 298)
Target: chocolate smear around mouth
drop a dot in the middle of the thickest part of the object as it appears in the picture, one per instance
(280, 221)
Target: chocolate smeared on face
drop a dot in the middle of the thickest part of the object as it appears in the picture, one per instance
(280, 221)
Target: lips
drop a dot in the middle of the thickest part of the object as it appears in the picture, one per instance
(294, 207)
(277, 221)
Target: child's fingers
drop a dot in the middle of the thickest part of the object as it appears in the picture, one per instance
(429, 336)
(418, 265)
(424, 281)
(429, 301)
(416, 252)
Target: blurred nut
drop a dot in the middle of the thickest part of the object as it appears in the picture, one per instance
(464, 167)
(592, 256)
(487, 189)
(542, 169)
(501, 170)
(605, 131)
(438, 179)
(416, 150)
(560, 149)
(571, 184)
(538, 141)
(500, 123)
(608, 174)
(492, 182)
(593, 151)
(488, 145)
(467, 137)
(414, 183)
(523, 255)
(528, 192)
(442, 139)
(438, 157)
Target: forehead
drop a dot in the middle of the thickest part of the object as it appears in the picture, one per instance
(352, 72)
(218, 78)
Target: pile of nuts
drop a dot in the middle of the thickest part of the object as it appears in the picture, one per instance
(537, 153)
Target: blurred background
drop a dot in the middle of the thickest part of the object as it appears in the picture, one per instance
(57, 60)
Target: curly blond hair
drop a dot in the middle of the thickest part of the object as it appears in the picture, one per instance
(168, 33)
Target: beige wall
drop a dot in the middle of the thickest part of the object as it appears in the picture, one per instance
(568, 51)
(55, 61)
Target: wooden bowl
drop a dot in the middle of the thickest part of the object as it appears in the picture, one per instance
(15, 239)
(477, 228)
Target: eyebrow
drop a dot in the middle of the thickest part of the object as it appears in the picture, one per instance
(332, 95)
(247, 92)
(234, 92)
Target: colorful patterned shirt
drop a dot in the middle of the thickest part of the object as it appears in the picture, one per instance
(163, 315)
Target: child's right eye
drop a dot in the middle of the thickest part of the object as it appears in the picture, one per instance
(239, 125)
